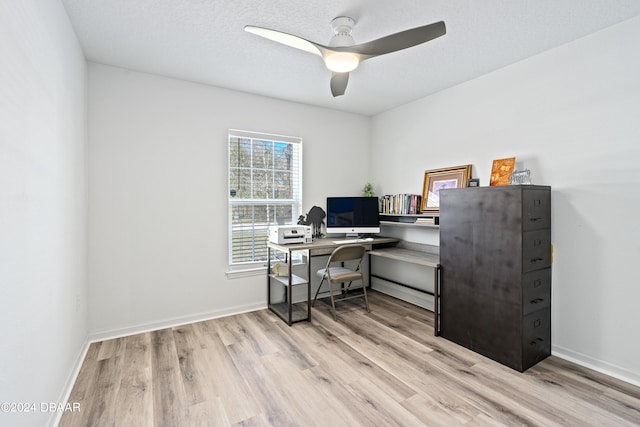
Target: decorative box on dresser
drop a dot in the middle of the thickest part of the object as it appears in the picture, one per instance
(495, 283)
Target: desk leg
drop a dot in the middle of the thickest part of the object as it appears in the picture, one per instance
(268, 278)
(436, 300)
(290, 290)
(369, 270)
(309, 285)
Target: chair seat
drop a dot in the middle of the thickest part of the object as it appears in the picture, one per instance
(340, 274)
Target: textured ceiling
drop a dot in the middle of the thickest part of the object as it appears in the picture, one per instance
(203, 41)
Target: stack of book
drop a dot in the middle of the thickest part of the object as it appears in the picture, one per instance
(400, 204)
(425, 220)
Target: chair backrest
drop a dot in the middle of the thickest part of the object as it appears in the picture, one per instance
(347, 253)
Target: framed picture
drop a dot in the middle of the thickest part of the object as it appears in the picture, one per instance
(501, 171)
(520, 177)
(437, 179)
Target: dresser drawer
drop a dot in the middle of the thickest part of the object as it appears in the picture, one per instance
(536, 337)
(536, 250)
(536, 290)
(536, 209)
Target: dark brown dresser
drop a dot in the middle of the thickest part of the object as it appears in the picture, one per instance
(495, 283)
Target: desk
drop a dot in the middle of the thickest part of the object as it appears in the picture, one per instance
(287, 310)
(415, 253)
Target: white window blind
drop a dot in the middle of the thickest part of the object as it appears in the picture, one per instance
(265, 188)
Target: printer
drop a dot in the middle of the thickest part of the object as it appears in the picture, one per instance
(285, 234)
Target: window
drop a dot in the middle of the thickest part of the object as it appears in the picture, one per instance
(265, 188)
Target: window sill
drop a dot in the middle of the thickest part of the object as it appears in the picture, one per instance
(248, 272)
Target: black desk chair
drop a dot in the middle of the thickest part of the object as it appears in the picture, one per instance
(340, 274)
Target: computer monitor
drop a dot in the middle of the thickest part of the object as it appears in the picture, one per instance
(352, 215)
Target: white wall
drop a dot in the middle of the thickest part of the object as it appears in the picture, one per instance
(42, 206)
(571, 115)
(158, 201)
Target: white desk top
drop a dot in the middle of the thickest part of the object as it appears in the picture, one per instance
(329, 243)
(413, 253)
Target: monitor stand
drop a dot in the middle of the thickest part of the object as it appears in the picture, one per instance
(358, 235)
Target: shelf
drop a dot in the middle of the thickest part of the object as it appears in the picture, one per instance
(429, 259)
(299, 311)
(287, 310)
(408, 224)
(295, 280)
(410, 220)
(421, 215)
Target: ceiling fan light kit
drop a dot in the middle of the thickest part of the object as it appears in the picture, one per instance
(341, 62)
(342, 55)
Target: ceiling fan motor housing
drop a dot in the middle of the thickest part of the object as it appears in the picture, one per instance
(342, 27)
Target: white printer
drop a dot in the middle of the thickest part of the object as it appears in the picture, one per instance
(285, 234)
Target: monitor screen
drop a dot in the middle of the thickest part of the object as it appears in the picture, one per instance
(352, 215)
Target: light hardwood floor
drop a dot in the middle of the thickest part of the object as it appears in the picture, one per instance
(383, 368)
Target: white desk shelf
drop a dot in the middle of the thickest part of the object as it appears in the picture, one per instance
(407, 224)
(295, 280)
(408, 255)
(406, 220)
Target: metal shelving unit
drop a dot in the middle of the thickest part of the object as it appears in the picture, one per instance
(286, 309)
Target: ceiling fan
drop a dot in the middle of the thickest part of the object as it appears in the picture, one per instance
(342, 55)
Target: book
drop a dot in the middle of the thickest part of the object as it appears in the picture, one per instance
(400, 204)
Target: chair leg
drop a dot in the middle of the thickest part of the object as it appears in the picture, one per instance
(366, 300)
(364, 290)
(317, 292)
(333, 303)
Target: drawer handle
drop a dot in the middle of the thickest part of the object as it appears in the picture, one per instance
(534, 260)
(536, 341)
(535, 219)
(537, 283)
(536, 323)
(537, 202)
(536, 301)
(537, 242)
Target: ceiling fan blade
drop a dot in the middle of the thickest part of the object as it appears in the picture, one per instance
(286, 39)
(339, 83)
(397, 41)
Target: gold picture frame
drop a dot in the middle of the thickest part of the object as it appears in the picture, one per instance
(437, 179)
